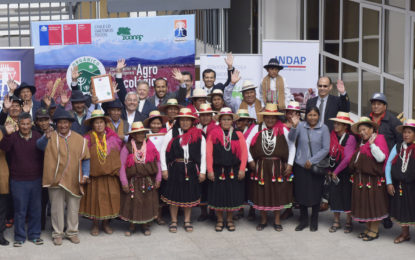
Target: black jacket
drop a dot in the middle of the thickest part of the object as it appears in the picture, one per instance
(334, 105)
(388, 129)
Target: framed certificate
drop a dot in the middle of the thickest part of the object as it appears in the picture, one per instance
(102, 88)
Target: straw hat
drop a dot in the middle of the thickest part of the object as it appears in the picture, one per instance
(154, 114)
(244, 114)
(205, 109)
(408, 123)
(247, 85)
(271, 110)
(96, 114)
(294, 106)
(137, 127)
(226, 111)
(186, 113)
(216, 91)
(343, 117)
(363, 120)
(199, 93)
(172, 102)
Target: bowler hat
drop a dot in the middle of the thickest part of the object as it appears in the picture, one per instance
(113, 104)
(61, 114)
(273, 63)
(78, 96)
(23, 86)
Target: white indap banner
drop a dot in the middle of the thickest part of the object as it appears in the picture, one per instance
(249, 65)
(300, 60)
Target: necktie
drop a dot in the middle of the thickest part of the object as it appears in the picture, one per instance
(321, 108)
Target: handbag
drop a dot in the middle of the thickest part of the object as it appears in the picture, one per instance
(321, 167)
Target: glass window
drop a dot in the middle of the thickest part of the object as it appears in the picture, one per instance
(312, 19)
(351, 30)
(396, 3)
(413, 5)
(350, 77)
(331, 26)
(371, 37)
(375, 1)
(331, 69)
(394, 94)
(394, 43)
(370, 85)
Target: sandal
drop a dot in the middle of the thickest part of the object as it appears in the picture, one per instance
(95, 230)
(219, 226)
(278, 227)
(401, 239)
(336, 225)
(348, 228)
(173, 227)
(261, 226)
(370, 238)
(107, 229)
(146, 230)
(230, 226)
(188, 226)
(129, 232)
(364, 234)
(160, 221)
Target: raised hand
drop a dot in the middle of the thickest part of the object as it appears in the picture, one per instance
(64, 98)
(47, 100)
(49, 132)
(229, 60)
(9, 128)
(120, 65)
(177, 75)
(7, 103)
(235, 77)
(295, 120)
(12, 85)
(115, 87)
(75, 74)
(372, 138)
(340, 86)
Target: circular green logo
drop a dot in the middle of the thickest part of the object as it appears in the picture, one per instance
(87, 67)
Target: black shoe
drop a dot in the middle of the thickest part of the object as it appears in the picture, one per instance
(4, 241)
(387, 223)
(301, 226)
(313, 227)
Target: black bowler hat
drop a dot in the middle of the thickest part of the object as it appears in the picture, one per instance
(273, 63)
(78, 96)
(61, 114)
(23, 86)
(113, 104)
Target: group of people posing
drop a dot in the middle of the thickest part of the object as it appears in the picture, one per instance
(131, 157)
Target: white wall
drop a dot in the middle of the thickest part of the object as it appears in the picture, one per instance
(281, 19)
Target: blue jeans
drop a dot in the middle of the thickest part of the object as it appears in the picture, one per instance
(27, 199)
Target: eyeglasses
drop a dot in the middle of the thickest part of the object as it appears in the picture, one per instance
(323, 86)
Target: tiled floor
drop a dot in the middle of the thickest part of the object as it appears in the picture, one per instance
(204, 243)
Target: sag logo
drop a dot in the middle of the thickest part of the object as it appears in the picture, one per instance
(180, 29)
(87, 67)
(43, 28)
(125, 32)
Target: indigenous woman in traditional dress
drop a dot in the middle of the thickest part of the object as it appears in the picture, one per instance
(206, 124)
(101, 200)
(400, 180)
(313, 146)
(216, 98)
(369, 197)
(156, 123)
(293, 109)
(140, 177)
(183, 164)
(271, 157)
(171, 110)
(226, 162)
(342, 147)
(245, 124)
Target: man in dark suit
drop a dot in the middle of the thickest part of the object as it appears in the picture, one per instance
(328, 104)
(161, 94)
(209, 77)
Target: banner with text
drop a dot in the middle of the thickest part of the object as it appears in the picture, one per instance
(15, 64)
(249, 65)
(151, 46)
(300, 60)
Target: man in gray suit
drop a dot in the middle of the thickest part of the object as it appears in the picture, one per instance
(161, 94)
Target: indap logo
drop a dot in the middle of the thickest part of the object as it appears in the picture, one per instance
(125, 32)
(293, 62)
